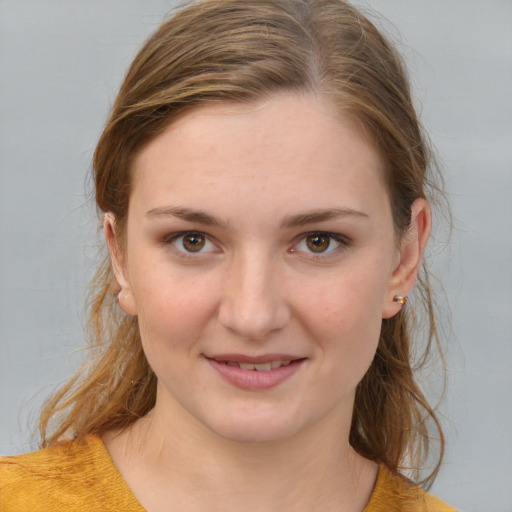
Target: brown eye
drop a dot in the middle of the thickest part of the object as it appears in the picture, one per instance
(318, 242)
(194, 242)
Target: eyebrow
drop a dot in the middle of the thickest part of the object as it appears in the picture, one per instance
(187, 214)
(297, 220)
(312, 217)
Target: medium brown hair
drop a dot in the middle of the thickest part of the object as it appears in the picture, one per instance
(240, 51)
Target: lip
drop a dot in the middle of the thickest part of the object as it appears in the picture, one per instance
(254, 380)
(263, 358)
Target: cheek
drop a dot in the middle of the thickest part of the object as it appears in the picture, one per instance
(173, 309)
(344, 315)
(346, 300)
(349, 344)
(352, 333)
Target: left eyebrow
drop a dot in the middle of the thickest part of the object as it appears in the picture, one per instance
(312, 217)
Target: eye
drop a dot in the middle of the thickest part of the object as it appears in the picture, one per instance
(191, 242)
(320, 243)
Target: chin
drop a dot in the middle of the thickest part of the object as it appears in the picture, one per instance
(252, 429)
(254, 435)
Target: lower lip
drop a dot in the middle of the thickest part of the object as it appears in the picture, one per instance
(253, 380)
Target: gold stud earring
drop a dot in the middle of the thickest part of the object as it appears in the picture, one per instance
(401, 299)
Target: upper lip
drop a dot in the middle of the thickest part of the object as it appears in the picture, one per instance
(244, 358)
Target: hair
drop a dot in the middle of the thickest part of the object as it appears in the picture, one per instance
(239, 51)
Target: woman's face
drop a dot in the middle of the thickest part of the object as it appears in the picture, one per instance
(260, 260)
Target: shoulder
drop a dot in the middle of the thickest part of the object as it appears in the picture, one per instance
(71, 477)
(394, 493)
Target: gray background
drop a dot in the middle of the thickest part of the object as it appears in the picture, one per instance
(61, 62)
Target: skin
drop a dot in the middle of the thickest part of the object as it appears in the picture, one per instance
(261, 172)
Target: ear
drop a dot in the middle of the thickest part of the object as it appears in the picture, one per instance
(125, 296)
(411, 252)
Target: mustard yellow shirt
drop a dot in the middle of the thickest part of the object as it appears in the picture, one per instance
(83, 478)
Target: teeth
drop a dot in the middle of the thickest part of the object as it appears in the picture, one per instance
(262, 367)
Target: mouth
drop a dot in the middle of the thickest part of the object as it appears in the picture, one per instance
(256, 373)
(258, 367)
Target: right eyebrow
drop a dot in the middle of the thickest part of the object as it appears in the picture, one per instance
(186, 214)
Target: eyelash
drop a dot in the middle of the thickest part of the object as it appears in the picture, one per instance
(342, 241)
(170, 240)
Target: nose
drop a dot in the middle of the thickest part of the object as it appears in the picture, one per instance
(253, 304)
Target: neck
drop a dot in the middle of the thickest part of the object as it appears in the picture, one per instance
(197, 469)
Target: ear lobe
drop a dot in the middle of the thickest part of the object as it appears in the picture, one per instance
(125, 295)
(411, 251)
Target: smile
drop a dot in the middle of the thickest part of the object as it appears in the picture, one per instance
(262, 367)
(255, 373)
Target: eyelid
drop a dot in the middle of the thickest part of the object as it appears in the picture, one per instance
(343, 241)
(169, 239)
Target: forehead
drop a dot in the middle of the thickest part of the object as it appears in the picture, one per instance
(286, 148)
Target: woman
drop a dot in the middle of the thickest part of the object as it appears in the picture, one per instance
(263, 178)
